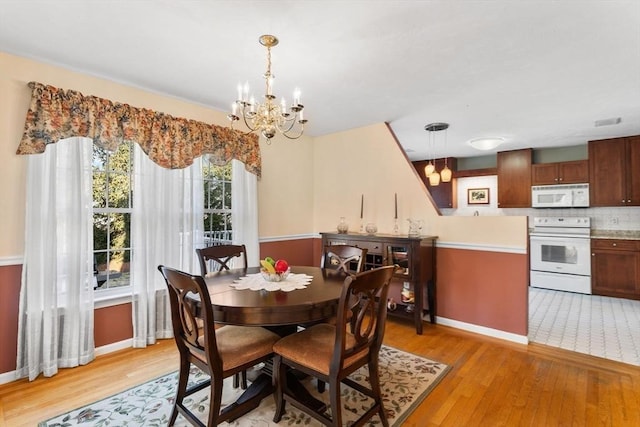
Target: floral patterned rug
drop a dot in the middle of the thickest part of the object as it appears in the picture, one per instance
(406, 380)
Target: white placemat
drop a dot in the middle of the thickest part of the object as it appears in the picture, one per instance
(256, 282)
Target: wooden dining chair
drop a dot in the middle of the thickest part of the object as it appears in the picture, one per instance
(219, 352)
(346, 258)
(332, 352)
(221, 256)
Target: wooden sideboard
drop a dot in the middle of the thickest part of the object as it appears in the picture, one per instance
(416, 256)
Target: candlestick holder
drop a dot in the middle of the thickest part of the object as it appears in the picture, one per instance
(396, 227)
(361, 227)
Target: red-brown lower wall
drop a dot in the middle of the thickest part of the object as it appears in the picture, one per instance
(111, 324)
(484, 288)
(296, 252)
(481, 288)
(9, 305)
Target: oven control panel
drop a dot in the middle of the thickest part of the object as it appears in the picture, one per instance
(565, 222)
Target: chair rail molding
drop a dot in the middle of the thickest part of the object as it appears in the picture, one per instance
(11, 260)
(482, 247)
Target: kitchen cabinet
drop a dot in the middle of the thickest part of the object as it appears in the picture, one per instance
(615, 268)
(415, 256)
(514, 178)
(444, 194)
(614, 172)
(573, 172)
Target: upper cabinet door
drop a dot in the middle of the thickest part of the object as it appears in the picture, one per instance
(633, 171)
(575, 172)
(544, 174)
(514, 178)
(614, 172)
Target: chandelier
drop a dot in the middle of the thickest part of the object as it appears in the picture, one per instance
(268, 117)
(430, 169)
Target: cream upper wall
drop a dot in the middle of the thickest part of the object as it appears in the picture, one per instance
(366, 161)
(285, 191)
(382, 170)
(306, 185)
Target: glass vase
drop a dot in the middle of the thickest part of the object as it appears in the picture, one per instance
(343, 227)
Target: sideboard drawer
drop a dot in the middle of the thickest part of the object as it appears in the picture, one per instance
(371, 247)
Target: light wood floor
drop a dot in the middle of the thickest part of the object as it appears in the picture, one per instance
(491, 383)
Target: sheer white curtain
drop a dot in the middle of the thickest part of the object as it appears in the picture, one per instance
(166, 226)
(244, 211)
(55, 326)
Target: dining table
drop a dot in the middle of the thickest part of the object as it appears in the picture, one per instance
(279, 310)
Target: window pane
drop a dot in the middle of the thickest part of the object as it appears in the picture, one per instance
(216, 222)
(119, 231)
(215, 195)
(99, 190)
(120, 161)
(112, 215)
(100, 231)
(207, 195)
(217, 202)
(99, 158)
(119, 190)
(114, 273)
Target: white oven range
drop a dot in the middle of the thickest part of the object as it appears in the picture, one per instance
(560, 254)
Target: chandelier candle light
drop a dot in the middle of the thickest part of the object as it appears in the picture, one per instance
(268, 117)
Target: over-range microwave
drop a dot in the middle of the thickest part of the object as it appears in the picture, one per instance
(560, 196)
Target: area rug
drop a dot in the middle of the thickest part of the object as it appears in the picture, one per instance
(406, 380)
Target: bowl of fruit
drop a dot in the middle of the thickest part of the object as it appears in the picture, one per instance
(274, 271)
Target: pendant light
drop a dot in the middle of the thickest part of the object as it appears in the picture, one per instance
(430, 170)
(434, 179)
(446, 173)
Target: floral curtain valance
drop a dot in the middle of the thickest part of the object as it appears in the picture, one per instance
(171, 142)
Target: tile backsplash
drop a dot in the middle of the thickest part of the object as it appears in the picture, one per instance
(609, 218)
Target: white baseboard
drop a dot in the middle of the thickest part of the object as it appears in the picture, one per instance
(7, 377)
(483, 330)
(110, 348)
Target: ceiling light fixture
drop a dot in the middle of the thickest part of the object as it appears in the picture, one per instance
(268, 117)
(430, 169)
(486, 143)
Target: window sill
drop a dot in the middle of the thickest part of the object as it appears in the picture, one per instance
(111, 297)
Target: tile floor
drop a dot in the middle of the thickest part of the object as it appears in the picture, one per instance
(601, 326)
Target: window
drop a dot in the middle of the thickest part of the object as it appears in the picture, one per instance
(112, 209)
(217, 203)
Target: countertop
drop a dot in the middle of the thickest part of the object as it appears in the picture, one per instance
(613, 234)
(616, 234)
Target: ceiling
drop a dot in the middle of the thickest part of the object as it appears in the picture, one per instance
(537, 73)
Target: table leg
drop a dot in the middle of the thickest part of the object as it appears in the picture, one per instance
(262, 386)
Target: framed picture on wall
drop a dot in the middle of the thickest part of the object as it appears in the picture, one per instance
(478, 196)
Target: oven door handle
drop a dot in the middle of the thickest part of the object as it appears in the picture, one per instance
(556, 238)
